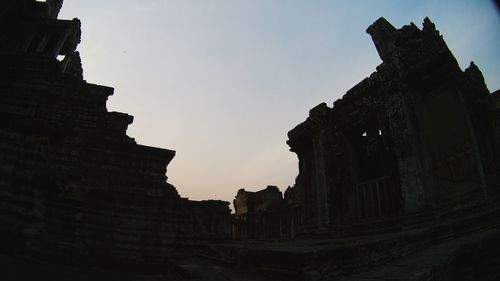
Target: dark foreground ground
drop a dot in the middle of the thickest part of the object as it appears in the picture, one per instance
(470, 257)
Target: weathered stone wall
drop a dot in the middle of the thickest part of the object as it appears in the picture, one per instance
(73, 186)
(261, 215)
(415, 139)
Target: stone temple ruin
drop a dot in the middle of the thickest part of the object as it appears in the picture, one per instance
(74, 188)
(417, 141)
(414, 144)
(401, 176)
(412, 150)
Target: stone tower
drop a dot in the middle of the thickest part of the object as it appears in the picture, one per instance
(74, 188)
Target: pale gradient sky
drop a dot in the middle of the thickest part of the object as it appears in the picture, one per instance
(221, 82)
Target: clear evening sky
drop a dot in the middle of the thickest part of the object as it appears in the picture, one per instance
(221, 82)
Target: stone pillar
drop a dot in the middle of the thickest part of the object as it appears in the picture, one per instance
(319, 180)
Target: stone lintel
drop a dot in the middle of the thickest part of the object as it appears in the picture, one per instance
(128, 119)
(100, 90)
(156, 153)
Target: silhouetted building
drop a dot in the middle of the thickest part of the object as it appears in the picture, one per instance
(413, 143)
(75, 189)
(211, 219)
(258, 215)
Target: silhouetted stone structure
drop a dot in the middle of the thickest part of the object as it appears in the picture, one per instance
(408, 159)
(258, 215)
(74, 188)
(412, 144)
(211, 219)
(399, 180)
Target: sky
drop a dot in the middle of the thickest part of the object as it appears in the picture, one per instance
(221, 82)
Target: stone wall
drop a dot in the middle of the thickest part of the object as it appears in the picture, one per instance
(74, 188)
(262, 215)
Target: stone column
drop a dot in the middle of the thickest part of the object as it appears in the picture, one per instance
(320, 182)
